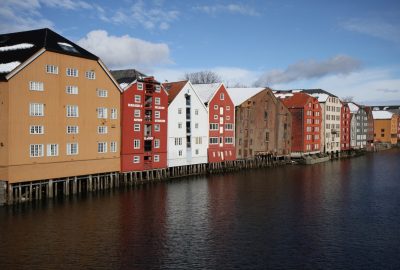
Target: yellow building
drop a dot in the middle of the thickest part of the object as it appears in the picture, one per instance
(385, 127)
(59, 109)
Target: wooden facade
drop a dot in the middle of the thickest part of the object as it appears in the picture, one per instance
(51, 126)
(345, 127)
(262, 123)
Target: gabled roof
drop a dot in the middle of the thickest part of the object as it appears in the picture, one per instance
(127, 76)
(240, 95)
(16, 48)
(294, 100)
(382, 115)
(173, 89)
(206, 91)
(320, 92)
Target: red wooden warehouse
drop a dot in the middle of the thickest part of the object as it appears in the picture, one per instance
(221, 116)
(144, 112)
(306, 121)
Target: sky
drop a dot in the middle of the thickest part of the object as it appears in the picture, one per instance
(349, 48)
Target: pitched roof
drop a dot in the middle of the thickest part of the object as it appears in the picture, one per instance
(353, 107)
(382, 115)
(318, 92)
(173, 89)
(240, 95)
(294, 100)
(206, 91)
(126, 76)
(16, 48)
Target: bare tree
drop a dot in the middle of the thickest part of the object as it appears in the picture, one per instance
(204, 76)
(348, 99)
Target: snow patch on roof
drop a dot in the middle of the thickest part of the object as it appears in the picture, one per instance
(240, 95)
(382, 115)
(7, 67)
(16, 47)
(353, 107)
(283, 95)
(65, 44)
(320, 96)
(206, 91)
(123, 85)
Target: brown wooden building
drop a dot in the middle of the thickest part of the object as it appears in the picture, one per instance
(262, 123)
(59, 109)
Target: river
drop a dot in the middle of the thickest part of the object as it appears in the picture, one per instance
(341, 214)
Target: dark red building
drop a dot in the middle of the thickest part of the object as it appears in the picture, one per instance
(306, 121)
(345, 119)
(144, 112)
(221, 116)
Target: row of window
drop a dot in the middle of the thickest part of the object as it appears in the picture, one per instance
(70, 72)
(333, 117)
(312, 121)
(215, 126)
(332, 108)
(136, 127)
(136, 144)
(312, 137)
(37, 150)
(310, 113)
(227, 117)
(140, 87)
(214, 140)
(196, 111)
(137, 113)
(309, 146)
(138, 99)
(136, 159)
(228, 108)
(38, 129)
(37, 109)
(328, 126)
(69, 89)
(312, 129)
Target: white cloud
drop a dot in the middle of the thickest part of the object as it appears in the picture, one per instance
(368, 86)
(66, 4)
(310, 69)
(375, 28)
(125, 51)
(149, 16)
(231, 8)
(229, 75)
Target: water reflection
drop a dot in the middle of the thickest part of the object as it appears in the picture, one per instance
(340, 214)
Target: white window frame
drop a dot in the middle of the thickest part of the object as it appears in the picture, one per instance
(158, 88)
(156, 158)
(136, 113)
(140, 86)
(52, 150)
(102, 130)
(36, 150)
(157, 114)
(90, 74)
(114, 113)
(72, 72)
(72, 146)
(136, 159)
(136, 144)
(113, 147)
(36, 86)
(196, 112)
(72, 129)
(51, 69)
(157, 101)
(72, 111)
(157, 128)
(157, 143)
(179, 110)
(214, 140)
(101, 147)
(136, 127)
(222, 96)
(138, 98)
(36, 109)
(102, 113)
(180, 125)
(102, 93)
(71, 89)
(36, 129)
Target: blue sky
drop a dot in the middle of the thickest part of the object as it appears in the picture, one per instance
(350, 48)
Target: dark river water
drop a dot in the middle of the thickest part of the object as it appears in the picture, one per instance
(336, 215)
